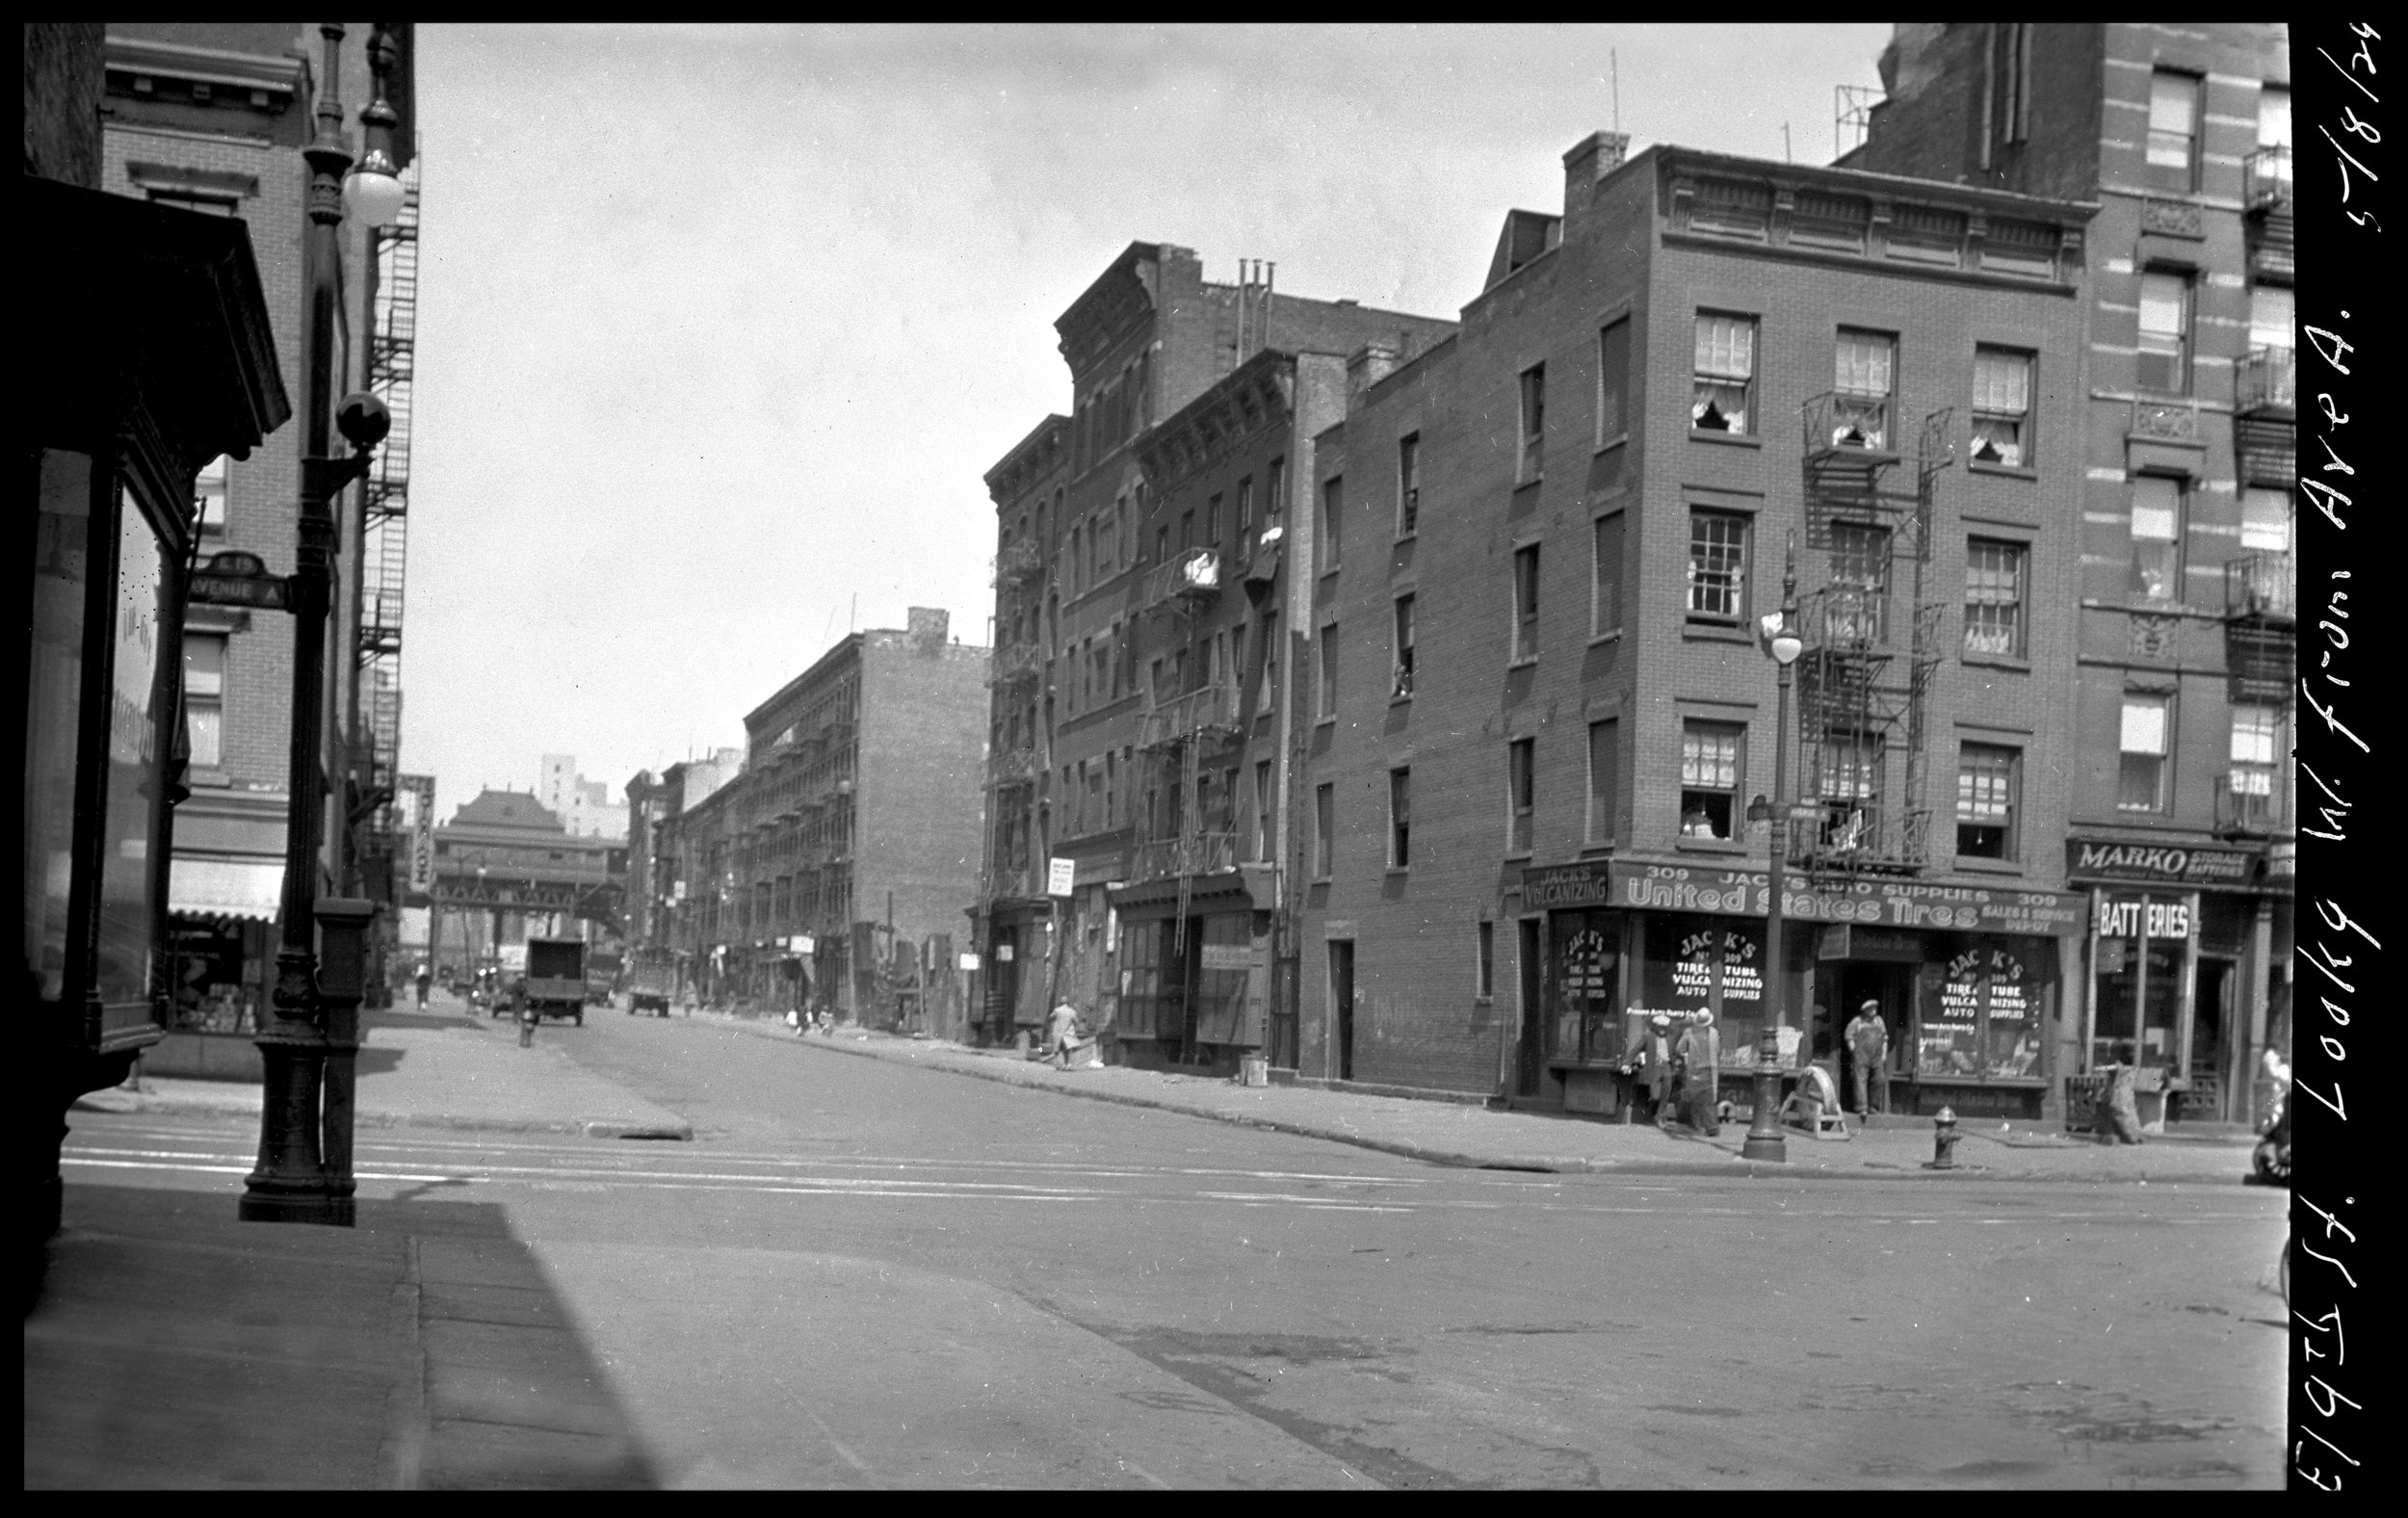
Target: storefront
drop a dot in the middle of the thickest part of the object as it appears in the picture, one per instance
(1966, 980)
(2189, 949)
(1194, 990)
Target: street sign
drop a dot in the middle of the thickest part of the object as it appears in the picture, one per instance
(236, 578)
(1061, 875)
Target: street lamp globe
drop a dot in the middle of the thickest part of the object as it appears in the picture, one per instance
(374, 193)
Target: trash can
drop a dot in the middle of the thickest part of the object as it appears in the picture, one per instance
(1254, 1069)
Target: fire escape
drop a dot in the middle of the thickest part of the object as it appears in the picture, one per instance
(1176, 732)
(1872, 645)
(386, 540)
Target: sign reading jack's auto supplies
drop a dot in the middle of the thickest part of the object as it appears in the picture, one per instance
(1886, 903)
(2160, 864)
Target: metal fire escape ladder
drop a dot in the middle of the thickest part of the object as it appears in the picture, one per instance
(384, 546)
(1870, 653)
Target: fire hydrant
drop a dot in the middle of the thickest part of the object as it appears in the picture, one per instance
(1944, 1137)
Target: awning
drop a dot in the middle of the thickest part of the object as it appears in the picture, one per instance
(227, 888)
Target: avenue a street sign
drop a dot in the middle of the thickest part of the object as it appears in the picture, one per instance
(2158, 864)
(235, 577)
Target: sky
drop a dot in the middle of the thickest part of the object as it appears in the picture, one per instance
(720, 327)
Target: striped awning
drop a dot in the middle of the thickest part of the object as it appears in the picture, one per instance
(227, 888)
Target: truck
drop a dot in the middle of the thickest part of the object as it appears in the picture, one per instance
(651, 980)
(556, 978)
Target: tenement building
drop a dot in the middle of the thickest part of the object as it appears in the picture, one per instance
(837, 864)
(1140, 603)
(2182, 820)
(1547, 740)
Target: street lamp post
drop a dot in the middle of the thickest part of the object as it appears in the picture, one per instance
(1777, 635)
(303, 1174)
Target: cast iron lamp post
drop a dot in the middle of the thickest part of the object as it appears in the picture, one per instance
(304, 1171)
(1777, 635)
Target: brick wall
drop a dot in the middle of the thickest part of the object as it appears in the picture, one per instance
(918, 803)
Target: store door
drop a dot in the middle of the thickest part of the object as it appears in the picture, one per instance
(1842, 987)
(1342, 1003)
(1533, 1049)
(2212, 1039)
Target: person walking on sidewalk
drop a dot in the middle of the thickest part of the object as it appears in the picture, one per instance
(1063, 1039)
(1869, 1046)
(1651, 1070)
(1699, 1055)
(426, 983)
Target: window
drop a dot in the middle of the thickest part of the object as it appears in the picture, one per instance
(2164, 362)
(1526, 603)
(1717, 565)
(204, 204)
(1521, 761)
(1404, 685)
(1091, 804)
(209, 496)
(1077, 558)
(2274, 117)
(1409, 485)
(1266, 813)
(2265, 521)
(1614, 381)
(2271, 322)
(1161, 543)
(1722, 398)
(2173, 130)
(1710, 778)
(1993, 599)
(1325, 829)
(1187, 525)
(1328, 706)
(2256, 729)
(204, 698)
(2156, 538)
(2141, 774)
(1534, 419)
(1245, 506)
(1484, 968)
(1858, 597)
(1987, 777)
(2002, 407)
(1846, 774)
(1864, 367)
(1333, 500)
(1399, 819)
(1112, 789)
(1605, 759)
(1212, 522)
(1271, 663)
(1605, 597)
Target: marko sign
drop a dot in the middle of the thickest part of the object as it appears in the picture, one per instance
(2158, 864)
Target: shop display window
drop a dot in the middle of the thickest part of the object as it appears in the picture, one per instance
(2144, 943)
(1980, 1016)
(129, 883)
(61, 542)
(1699, 966)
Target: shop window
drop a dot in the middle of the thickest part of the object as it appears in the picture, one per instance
(1409, 485)
(1723, 395)
(1717, 565)
(1403, 685)
(1533, 421)
(1605, 759)
(1981, 1012)
(2156, 536)
(204, 698)
(1605, 597)
(1993, 599)
(1698, 968)
(1526, 603)
(1324, 830)
(1710, 778)
(2002, 407)
(2173, 149)
(1521, 764)
(1988, 783)
(2162, 365)
(1613, 382)
(1399, 819)
(2143, 949)
(1865, 373)
(2143, 742)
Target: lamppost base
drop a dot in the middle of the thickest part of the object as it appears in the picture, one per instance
(1775, 1149)
(272, 1203)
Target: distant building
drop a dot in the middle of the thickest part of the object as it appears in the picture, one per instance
(2183, 814)
(506, 867)
(848, 844)
(584, 807)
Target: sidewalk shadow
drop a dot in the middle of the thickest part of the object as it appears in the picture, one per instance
(178, 1347)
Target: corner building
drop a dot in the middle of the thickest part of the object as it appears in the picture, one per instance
(1543, 733)
(2184, 819)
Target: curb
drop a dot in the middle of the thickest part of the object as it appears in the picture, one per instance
(1577, 1165)
(582, 1127)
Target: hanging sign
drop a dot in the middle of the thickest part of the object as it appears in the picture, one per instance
(1061, 875)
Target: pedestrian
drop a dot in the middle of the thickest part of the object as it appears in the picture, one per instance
(1869, 1046)
(1063, 1039)
(1650, 1067)
(1699, 1054)
(426, 983)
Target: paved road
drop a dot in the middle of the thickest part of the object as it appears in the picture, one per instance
(866, 1274)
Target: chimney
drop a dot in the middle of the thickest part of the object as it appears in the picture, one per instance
(925, 626)
(1591, 159)
(1369, 365)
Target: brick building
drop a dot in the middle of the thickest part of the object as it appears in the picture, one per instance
(1541, 715)
(2182, 801)
(1097, 513)
(836, 865)
(210, 117)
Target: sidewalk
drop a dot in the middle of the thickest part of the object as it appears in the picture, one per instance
(1465, 1133)
(449, 1066)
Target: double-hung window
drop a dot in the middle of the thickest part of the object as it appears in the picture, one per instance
(1327, 705)
(1723, 398)
(1864, 372)
(1533, 421)
(1520, 765)
(2144, 742)
(2156, 538)
(204, 698)
(1403, 682)
(1333, 501)
(2256, 729)
(2173, 152)
(2265, 521)
(1614, 381)
(1993, 599)
(1324, 830)
(1408, 484)
(1526, 603)
(1605, 602)
(1858, 596)
(2002, 407)
(1717, 565)
(1710, 778)
(1399, 819)
(1986, 776)
(209, 496)
(2162, 364)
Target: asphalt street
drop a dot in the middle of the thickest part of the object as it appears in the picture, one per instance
(863, 1275)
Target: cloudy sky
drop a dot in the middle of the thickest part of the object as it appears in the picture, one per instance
(718, 328)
